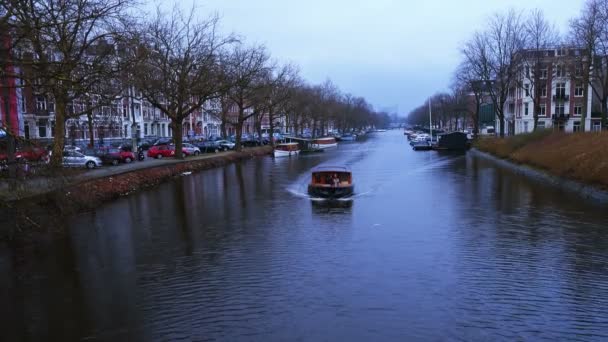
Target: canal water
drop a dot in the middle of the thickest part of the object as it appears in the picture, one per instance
(433, 247)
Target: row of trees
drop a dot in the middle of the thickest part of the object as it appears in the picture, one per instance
(494, 60)
(94, 53)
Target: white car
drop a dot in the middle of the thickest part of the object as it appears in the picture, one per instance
(77, 159)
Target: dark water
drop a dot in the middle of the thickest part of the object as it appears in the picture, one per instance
(434, 247)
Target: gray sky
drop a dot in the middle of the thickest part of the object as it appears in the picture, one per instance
(394, 53)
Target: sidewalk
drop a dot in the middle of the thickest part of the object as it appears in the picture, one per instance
(11, 190)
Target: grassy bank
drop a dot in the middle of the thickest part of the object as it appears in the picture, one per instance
(578, 156)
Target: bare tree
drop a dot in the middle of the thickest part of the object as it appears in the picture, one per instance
(590, 31)
(178, 66)
(466, 79)
(506, 36)
(541, 35)
(245, 70)
(67, 52)
(281, 85)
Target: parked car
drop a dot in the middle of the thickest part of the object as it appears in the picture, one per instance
(163, 141)
(71, 148)
(225, 144)
(208, 146)
(77, 159)
(250, 143)
(114, 156)
(190, 149)
(31, 153)
(161, 151)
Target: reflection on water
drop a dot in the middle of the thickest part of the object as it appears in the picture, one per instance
(432, 247)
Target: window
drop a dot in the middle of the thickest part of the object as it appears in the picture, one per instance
(560, 90)
(578, 70)
(543, 91)
(540, 125)
(561, 52)
(578, 90)
(597, 126)
(578, 109)
(559, 109)
(525, 126)
(527, 89)
(511, 107)
(526, 108)
(577, 126)
(527, 71)
(543, 73)
(42, 130)
(542, 110)
(560, 71)
(40, 103)
(145, 129)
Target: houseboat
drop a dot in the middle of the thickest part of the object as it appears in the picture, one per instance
(286, 149)
(331, 182)
(323, 143)
(454, 141)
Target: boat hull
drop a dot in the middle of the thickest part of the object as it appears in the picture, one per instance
(331, 191)
(279, 153)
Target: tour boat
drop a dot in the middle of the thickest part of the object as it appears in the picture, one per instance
(331, 182)
(286, 149)
(323, 143)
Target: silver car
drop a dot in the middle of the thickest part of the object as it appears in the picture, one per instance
(191, 150)
(77, 159)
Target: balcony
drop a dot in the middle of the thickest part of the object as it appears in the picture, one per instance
(561, 117)
(561, 97)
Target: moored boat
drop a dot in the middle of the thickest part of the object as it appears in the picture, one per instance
(286, 149)
(324, 143)
(348, 137)
(331, 182)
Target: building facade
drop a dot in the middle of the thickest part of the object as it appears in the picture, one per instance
(559, 89)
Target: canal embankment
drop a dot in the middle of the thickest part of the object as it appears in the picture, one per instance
(22, 200)
(575, 162)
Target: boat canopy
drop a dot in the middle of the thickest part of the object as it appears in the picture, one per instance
(328, 168)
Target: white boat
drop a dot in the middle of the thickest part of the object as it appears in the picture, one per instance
(324, 143)
(286, 149)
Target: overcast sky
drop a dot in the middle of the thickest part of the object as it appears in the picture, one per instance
(393, 52)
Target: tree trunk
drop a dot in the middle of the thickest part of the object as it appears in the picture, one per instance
(90, 123)
(224, 124)
(58, 135)
(604, 113)
(271, 127)
(177, 138)
(258, 128)
(501, 118)
(586, 95)
(238, 132)
(476, 117)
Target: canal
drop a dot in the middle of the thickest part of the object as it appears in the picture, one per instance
(432, 247)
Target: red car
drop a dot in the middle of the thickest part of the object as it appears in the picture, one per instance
(29, 153)
(32, 153)
(160, 151)
(114, 156)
